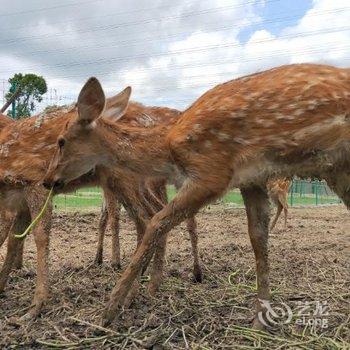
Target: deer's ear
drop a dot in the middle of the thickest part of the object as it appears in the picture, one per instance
(91, 101)
(117, 105)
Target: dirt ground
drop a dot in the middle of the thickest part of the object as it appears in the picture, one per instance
(309, 263)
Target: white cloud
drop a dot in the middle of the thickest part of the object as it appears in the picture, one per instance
(171, 53)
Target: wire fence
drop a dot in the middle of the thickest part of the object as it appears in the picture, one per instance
(301, 193)
(316, 192)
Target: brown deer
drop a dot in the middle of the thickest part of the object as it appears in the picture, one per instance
(23, 166)
(291, 120)
(149, 117)
(145, 117)
(277, 190)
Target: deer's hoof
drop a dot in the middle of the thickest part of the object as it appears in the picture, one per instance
(98, 260)
(197, 276)
(108, 316)
(116, 265)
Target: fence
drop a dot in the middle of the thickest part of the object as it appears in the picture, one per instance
(315, 192)
(301, 193)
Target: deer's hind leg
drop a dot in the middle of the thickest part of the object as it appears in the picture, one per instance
(41, 236)
(193, 233)
(258, 207)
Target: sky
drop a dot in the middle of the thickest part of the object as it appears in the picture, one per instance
(169, 52)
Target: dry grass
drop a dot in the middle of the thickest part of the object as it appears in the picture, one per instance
(309, 262)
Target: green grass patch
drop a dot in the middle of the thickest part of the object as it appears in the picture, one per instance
(92, 198)
(63, 202)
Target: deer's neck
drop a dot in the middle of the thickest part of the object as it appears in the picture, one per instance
(141, 150)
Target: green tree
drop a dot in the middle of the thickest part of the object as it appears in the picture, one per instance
(32, 87)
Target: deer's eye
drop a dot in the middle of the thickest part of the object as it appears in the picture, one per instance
(61, 142)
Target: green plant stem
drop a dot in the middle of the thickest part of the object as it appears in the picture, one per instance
(37, 219)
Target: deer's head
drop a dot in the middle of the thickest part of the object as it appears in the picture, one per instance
(80, 147)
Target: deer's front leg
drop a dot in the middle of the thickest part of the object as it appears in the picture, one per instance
(20, 223)
(187, 202)
(6, 221)
(102, 225)
(258, 213)
(114, 213)
(13, 244)
(41, 236)
(19, 256)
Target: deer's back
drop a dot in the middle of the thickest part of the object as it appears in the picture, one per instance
(275, 119)
(138, 114)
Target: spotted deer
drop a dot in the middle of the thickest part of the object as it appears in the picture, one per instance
(277, 190)
(291, 120)
(111, 210)
(144, 116)
(22, 196)
(138, 115)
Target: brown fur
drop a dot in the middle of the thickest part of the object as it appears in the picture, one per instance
(291, 120)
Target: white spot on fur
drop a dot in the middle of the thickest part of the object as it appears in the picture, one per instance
(312, 104)
(280, 116)
(208, 144)
(274, 106)
(238, 115)
(39, 121)
(145, 120)
(241, 141)
(197, 127)
(223, 137)
(220, 135)
(320, 127)
(298, 112)
(4, 150)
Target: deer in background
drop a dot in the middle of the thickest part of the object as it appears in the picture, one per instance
(277, 190)
(291, 120)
